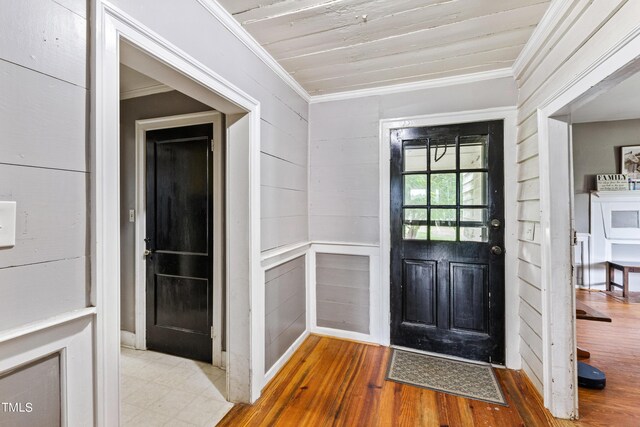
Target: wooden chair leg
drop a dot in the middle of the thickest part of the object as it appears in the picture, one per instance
(625, 282)
(610, 273)
(583, 354)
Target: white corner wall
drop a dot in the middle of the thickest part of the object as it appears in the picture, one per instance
(284, 114)
(344, 145)
(561, 50)
(344, 175)
(44, 160)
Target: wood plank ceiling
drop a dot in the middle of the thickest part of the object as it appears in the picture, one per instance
(341, 45)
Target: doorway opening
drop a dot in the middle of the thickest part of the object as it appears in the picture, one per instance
(600, 130)
(172, 172)
(563, 202)
(123, 40)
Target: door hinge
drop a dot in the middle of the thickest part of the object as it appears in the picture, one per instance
(212, 144)
(213, 335)
(574, 238)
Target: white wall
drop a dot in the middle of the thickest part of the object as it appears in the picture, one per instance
(344, 145)
(596, 149)
(44, 153)
(43, 159)
(586, 32)
(189, 26)
(285, 308)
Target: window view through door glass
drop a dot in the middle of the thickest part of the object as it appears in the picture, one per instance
(445, 189)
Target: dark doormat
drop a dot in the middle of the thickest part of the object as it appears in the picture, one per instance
(470, 380)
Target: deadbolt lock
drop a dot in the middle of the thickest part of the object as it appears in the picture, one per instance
(495, 223)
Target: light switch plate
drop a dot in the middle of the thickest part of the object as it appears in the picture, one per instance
(7, 224)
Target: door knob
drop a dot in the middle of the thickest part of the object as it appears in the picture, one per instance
(496, 250)
(495, 223)
(147, 252)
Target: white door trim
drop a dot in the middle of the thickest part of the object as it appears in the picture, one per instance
(509, 115)
(245, 300)
(554, 140)
(141, 128)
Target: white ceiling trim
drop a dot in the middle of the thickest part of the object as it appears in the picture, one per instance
(226, 19)
(548, 23)
(144, 91)
(413, 86)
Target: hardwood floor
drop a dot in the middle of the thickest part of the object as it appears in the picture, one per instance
(342, 383)
(615, 349)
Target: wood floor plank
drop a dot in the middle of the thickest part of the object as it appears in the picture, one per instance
(615, 349)
(332, 382)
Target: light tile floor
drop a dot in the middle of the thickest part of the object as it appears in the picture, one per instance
(163, 390)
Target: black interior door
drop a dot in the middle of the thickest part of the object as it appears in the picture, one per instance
(180, 241)
(447, 240)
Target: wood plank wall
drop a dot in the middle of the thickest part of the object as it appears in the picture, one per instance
(344, 145)
(188, 25)
(342, 292)
(588, 30)
(45, 400)
(285, 308)
(43, 158)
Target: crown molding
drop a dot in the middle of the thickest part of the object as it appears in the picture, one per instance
(230, 23)
(413, 86)
(548, 23)
(150, 90)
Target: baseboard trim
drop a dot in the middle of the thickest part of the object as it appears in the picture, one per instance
(271, 373)
(127, 339)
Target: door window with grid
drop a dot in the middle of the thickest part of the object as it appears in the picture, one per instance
(445, 189)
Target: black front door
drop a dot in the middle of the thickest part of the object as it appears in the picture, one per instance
(447, 239)
(180, 241)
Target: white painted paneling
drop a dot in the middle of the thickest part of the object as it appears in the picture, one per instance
(400, 72)
(341, 152)
(342, 292)
(344, 201)
(282, 231)
(45, 401)
(283, 144)
(352, 229)
(529, 190)
(331, 46)
(282, 202)
(44, 36)
(490, 93)
(39, 291)
(44, 168)
(529, 315)
(557, 54)
(531, 364)
(283, 111)
(279, 173)
(43, 120)
(362, 204)
(429, 57)
(351, 119)
(78, 7)
(51, 214)
(285, 308)
(530, 253)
